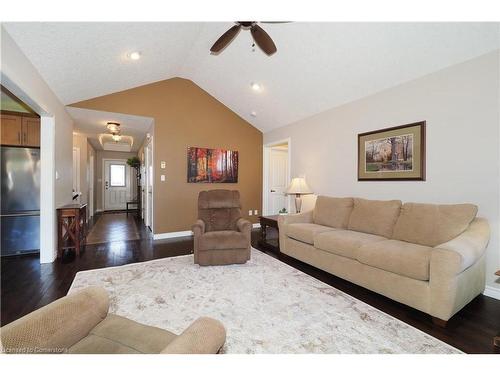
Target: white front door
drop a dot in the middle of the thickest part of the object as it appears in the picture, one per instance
(116, 184)
(278, 180)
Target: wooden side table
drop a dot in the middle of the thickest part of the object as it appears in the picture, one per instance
(71, 228)
(496, 339)
(265, 242)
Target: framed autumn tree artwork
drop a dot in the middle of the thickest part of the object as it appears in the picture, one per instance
(212, 165)
(396, 153)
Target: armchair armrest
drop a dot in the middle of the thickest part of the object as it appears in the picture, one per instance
(198, 227)
(458, 254)
(59, 325)
(244, 226)
(203, 336)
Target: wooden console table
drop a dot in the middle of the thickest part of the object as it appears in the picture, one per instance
(71, 228)
(265, 242)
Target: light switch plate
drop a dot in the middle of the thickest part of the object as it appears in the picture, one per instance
(163, 165)
(255, 212)
(249, 212)
(162, 177)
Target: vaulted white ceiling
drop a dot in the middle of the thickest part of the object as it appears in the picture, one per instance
(318, 65)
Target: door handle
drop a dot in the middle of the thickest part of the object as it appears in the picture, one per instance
(106, 185)
(273, 191)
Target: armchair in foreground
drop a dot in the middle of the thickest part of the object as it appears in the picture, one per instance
(80, 324)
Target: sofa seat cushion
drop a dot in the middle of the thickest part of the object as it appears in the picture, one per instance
(332, 212)
(117, 334)
(402, 258)
(223, 240)
(375, 217)
(305, 232)
(344, 242)
(433, 224)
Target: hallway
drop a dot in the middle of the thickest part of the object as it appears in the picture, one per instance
(116, 226)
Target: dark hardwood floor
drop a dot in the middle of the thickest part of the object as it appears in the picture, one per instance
(28, 285)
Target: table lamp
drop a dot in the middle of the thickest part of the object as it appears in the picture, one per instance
(299, 187)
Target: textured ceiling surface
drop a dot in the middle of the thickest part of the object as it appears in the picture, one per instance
(318, 65)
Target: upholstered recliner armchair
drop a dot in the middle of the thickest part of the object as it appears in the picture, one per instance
(80, 324)
(221, 235)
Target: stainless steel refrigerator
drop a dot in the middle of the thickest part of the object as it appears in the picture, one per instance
(20, 204)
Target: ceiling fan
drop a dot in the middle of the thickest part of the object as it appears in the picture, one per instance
(261, 38)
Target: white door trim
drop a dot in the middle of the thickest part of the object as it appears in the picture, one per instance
(103, 188)
(149, 145)
(265, 170)
(91, 185)
(76, 163)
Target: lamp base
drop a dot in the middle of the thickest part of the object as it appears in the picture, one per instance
(298, 203)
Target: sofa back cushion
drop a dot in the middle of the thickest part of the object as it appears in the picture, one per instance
(332, 212)
(375, 217)
(433, 224)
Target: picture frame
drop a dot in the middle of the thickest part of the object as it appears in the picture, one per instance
(393, 154)
(212, 165)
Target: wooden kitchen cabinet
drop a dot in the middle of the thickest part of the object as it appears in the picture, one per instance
(31, 131)
(19, 130)
(11, 130)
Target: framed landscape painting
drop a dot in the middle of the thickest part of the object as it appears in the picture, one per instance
(396, 153)
(212, 165)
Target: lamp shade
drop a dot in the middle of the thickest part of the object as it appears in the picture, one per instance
(298, 186)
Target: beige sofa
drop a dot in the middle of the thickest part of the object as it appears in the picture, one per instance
(430, 257)
(80, 324)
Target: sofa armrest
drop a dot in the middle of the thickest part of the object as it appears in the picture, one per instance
(304, 217)
(203, 336)
(198, 227)
(458, 254)
(57, 326)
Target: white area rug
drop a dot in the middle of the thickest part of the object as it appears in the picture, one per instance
(265, 305)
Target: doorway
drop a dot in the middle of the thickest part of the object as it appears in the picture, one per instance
(116, 176)
(276, 177)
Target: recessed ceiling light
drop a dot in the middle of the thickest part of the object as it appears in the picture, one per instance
(255, 86)
(136, 55)
(253, 114)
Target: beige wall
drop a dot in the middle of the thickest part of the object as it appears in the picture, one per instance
(185, 115)
(99, 177)
(461, 107)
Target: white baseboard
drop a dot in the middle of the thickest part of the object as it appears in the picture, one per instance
(162, 236)
(492, 292)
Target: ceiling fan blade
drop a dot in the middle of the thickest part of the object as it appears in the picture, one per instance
(263, 40)
(225, 39)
